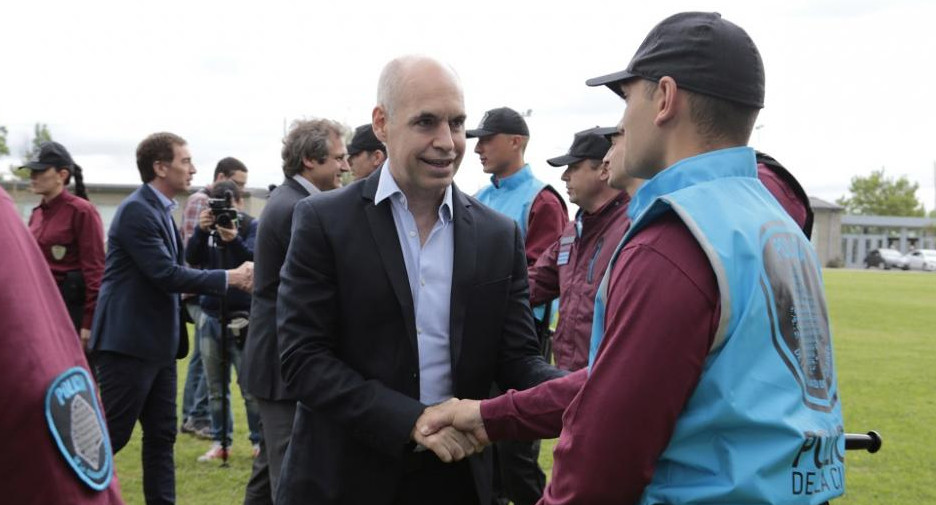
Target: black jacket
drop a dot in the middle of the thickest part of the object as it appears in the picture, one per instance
(347, 337)
(260, 371)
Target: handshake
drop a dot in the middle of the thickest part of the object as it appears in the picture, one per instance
(453, 430)
(242, 277)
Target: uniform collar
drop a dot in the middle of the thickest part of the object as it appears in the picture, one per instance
(56, 202)
(582, 218)
(731, 162)
(513, 181)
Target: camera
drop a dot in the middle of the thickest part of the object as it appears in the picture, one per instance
(225, 215)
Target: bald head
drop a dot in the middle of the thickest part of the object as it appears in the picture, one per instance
(420, 117)
(400, 72)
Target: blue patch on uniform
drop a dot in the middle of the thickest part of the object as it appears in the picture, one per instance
(77, 425)
(563, 258)
(565, 250)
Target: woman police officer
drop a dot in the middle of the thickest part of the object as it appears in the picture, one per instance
(69, 232)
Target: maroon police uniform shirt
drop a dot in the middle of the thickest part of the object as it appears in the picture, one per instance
(39, 347)
(614, 424)
(71, 237)
(572, 268)
(548, 216)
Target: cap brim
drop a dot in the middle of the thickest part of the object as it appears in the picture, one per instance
(611, 80)
(473, 134)
(566, 159)
(37, 166)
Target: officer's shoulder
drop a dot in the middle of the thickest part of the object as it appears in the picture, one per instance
(81, 205)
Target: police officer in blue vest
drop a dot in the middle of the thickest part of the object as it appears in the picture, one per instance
(711, 375)
(763, 422)
(541, 215)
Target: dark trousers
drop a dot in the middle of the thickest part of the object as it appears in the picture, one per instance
(517, 475)
(429, 481)
(72, 288)
(276, 421)
(134, 389)
(258, 490)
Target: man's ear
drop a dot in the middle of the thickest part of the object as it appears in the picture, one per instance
(379, 158)
(516, 142)
(159, 169)
(379, 121)
(666, 100)
(308, 164)
(604, 172)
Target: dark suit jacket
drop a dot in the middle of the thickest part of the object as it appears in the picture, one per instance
(347, 337)
(260, 371)
(138, 310)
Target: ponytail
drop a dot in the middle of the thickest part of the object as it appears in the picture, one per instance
(79, 182)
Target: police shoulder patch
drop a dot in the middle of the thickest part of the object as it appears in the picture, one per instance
(798, 314)
(77, 425)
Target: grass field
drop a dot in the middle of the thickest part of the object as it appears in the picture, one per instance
(884, 325)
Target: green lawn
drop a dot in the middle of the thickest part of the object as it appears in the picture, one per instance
(884, 325)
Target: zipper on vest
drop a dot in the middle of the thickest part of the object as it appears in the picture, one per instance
(594, 258)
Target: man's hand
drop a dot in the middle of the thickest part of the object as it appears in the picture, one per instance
(242, 277)
(84, 336)
(448, 443)
(205, 220)
(463, 415)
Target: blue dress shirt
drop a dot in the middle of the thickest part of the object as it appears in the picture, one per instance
(429, 270)
(168, 207)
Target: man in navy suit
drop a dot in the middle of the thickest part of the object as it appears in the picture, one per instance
(137, 332)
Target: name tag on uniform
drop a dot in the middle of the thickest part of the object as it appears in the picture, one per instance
(565, 250)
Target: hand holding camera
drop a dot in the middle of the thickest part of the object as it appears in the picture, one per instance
(221, 217)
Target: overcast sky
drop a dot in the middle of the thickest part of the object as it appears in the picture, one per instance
(849, 82)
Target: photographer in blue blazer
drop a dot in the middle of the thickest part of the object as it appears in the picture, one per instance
(137, 333)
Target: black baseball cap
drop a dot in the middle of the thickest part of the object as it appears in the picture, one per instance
(50, 155)
(588, 144)
(500, 120)
(703, 53)
(365, 140)
(606, 131)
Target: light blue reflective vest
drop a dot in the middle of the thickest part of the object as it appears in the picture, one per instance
(513, 196)
(764, 424)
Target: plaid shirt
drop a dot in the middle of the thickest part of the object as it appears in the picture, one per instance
(193, 207)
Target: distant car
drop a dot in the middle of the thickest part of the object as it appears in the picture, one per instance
(886, 259)
(923, 259)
